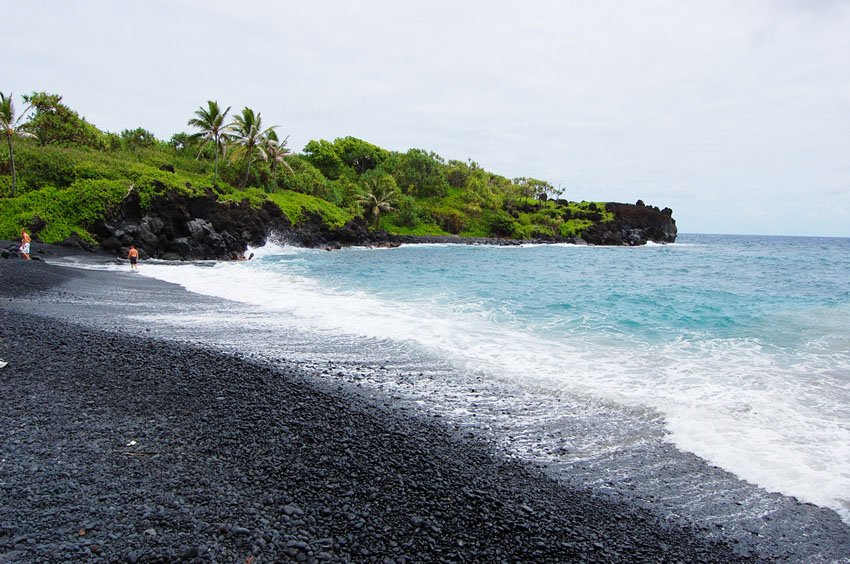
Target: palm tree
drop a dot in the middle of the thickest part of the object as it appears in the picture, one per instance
(247, 134)
(276, 152)
(10, 126)
(379, 197)
(210, 121)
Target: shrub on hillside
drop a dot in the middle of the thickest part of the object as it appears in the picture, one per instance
(408, 212)
(449, 219)
(419, 173)
(41, 166)
(61, 212)
(501, 224)
(54, 123)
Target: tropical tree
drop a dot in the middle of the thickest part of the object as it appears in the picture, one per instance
(11, 127)
(532, 188)
(421, 173)
(54, 123)
(360, 155)
(138, 138)
(323, 155)
(246, 137)
(275, 152)
(380, 196)
(210, 121)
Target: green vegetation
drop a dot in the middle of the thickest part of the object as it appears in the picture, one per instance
(248, 139)
(298, 207)
(61, 211)
(380, 196)
(61, 174)
(10, 124)
(210, 121)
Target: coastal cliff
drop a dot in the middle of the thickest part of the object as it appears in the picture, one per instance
(634, 225)
(180, 227)
(177, 227)
(188, 198)
(191, 228)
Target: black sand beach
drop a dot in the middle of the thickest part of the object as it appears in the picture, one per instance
(119, 447)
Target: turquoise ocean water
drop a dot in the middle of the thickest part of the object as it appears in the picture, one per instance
(733, 348)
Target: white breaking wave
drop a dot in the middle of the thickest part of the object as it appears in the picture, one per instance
(733, 402)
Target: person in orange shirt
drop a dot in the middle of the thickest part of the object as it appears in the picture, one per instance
(25, 244)
(133, 255)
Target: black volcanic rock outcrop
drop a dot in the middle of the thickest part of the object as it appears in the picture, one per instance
(180, 227)
(634, 224)
(203, 227)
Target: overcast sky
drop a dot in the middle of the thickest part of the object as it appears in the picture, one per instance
(734, 113)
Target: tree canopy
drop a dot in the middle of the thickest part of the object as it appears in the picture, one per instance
(407, 192)
(54, 123)
(10, 125)
(210, 122)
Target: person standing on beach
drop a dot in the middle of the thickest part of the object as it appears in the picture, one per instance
(25, 244)
(133, 255)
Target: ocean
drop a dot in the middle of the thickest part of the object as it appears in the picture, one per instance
(663, 372)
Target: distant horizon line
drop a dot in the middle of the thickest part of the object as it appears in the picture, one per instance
(766, 235)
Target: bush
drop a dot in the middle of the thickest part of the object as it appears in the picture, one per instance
(358, 155)
(54, 123)
(64, 211)
(502, 224)
(254, 196)
(408, 212)
(450, 219)
(457, 174)
(322, 154)
(575, 227)
(419, 173)
(6, 185)
(92, 170)
(297, 206)
(42, 166)
(306, 179)
(138, 138)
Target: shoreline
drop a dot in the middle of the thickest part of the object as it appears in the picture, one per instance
(119, 306)
(40, 250)
(233, 459)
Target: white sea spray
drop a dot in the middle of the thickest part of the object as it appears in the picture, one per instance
(738, 345)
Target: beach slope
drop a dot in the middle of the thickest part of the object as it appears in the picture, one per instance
(119, 447)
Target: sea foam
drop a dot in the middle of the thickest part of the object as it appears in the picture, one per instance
(774, 414)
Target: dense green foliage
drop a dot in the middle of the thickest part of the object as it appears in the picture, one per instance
(298, 206)
(69, 173)
(10, 127)
(54, 123)
(61, 211)
(210, 122)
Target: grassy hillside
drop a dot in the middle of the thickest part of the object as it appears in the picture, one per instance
(70, 173)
